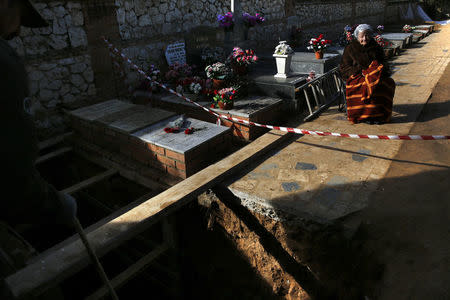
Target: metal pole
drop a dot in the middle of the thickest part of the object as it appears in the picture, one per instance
(94, 259)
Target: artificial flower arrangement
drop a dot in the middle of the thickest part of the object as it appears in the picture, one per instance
(380, 29)
(347, 36)
(408, 28)
(318, 44)
(251, 21)
(380, 41)
(223, 97)
(193, 85)
(150, 86)
(218, 70)
(242, 57)
(226, 20)
(283, 49)
(177, 71)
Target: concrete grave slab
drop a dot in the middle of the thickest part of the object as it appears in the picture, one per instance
(180, 142)
(99, 110)
(144, 117)
(304, 62)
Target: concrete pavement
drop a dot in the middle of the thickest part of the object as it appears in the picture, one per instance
(325, 178)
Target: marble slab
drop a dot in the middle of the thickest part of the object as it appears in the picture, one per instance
(180, 142)
(144, 117)
(99, 110)
(304, 62)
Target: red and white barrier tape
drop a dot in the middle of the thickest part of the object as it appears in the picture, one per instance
(286, 129)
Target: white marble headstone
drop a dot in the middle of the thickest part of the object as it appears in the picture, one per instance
(176, 53)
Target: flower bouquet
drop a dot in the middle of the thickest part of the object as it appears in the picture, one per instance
(408, 28)
(380, 29)
(382, 42)
(192, 87)
(318, 45)
(226, 21)
(224, 98)
(218, 72)
(177, 71)
(347, 36)
(146, 87)
(240, 59)
(251, 21)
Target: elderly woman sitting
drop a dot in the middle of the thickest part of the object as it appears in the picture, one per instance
(369, 89)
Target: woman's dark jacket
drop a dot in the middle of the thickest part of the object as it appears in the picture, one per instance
(357, 57)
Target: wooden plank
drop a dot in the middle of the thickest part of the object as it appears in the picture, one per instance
(63, 262)
(53, 154)
(54, 141)
(90, 181)
(131, 271)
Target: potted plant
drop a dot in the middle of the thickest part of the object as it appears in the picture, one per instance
(224, 98)
(240, 59)
(218, 72)
(226, 21)
(283, 56)
(407, 28)
(318, 45)
(380, 29)
(251, 21)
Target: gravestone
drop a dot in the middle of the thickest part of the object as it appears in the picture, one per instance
(398, 39)
(176, 53)
(197, 39)
(305, 62)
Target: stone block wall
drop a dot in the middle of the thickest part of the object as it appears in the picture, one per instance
(57, 61)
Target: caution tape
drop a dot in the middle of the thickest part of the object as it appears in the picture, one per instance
(285, 129)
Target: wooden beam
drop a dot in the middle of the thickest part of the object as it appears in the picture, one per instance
(54, 140)
(131, 271)
(53, 154)
(90, 181)
(65, 261)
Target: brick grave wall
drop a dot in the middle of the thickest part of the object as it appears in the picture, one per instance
(179, 165)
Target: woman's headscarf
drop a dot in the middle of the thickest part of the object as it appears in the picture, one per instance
(361, 28)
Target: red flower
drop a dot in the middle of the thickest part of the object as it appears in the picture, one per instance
(189, 130)
(215, 92)
(320, 36)
(213, 105)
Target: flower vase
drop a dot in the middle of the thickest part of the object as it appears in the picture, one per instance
(283, 65)
(319, 54)
(225, 105)
(218, 84)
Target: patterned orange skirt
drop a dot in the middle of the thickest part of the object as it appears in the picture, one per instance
(369, 97)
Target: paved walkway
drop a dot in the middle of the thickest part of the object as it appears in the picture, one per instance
(325, 178)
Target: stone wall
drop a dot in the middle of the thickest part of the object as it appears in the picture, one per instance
(57, 62)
